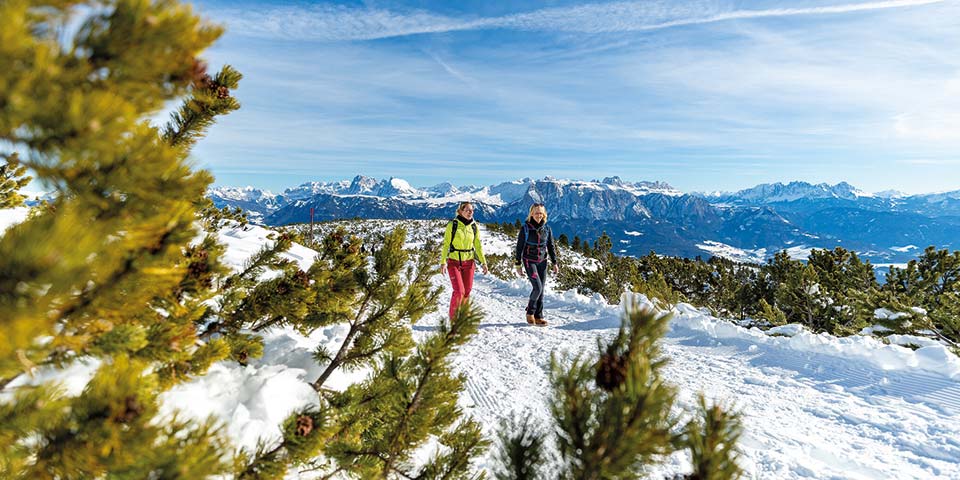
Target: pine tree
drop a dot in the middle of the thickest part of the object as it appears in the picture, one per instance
(770, 313)
(612, 413)
(389, 297)
(371, 429)
(521, 451)
(712, 439)
(800, 299)
(13, 177)
(932, 283)
(103, 272)
(404, 402)
(843, 278)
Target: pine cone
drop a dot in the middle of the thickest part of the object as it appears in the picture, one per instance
(223, 92)
(132, 410)
(611, 371)
(304, 425)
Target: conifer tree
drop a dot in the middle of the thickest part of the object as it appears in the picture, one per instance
(103, 273)
(602, 246)
(770, 313)
(405, 401)
(612, 413)
(521, 450)
(712, 439)
(800, 299)
(371, 429)
(13, 177)
(388, 297)
(932, 283)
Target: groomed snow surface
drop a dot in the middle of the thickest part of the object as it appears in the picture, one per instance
(814, 406)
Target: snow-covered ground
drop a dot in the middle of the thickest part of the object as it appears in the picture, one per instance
(814, 406)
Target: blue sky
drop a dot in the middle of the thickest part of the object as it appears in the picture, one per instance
(705, 95)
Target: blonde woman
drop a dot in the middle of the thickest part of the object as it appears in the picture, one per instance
(534, 245)
(460, 251)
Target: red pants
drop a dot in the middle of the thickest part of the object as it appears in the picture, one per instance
(461, 277)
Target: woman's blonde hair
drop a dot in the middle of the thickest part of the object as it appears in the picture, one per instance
(463, 205)
(534, 207)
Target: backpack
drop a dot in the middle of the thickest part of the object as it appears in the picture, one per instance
(453, 235)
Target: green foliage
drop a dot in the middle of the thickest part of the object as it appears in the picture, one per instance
(305, 434)
(521, 454)
(771, 314)
(106, 270)
(603, 245)
(612, 413)
(378, 303)
(501, 266)
(932, 283)
(834, 291)
(13, 177)
(712, 439)
(656, 289)
(113, 271)
(414, 399)
(213, 218)
(111, 428)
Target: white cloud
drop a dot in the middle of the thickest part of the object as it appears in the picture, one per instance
(341, 23)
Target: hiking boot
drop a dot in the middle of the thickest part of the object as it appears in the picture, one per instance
(540, 322)
(531, 320)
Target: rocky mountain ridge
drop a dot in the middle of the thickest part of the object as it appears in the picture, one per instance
(644, 216)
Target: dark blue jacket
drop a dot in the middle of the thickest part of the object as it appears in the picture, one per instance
(534, 243)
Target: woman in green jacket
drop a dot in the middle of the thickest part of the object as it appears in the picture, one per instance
(460, 252)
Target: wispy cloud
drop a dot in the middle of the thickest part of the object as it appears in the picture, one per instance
(820, 94)
(342, 23)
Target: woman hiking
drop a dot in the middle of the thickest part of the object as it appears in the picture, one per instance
(459, 251)
(534, 243)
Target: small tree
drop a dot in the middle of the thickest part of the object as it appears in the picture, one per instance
(612, 413)
(404, 402)
(371, 429)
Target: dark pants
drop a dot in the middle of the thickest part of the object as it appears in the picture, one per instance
(537, 274)
(461, 277)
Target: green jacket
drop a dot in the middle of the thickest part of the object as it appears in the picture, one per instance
(467, 244)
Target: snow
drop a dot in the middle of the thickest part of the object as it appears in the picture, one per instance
(12, 216)
(814, 406)
(799, 252)
(733, 253)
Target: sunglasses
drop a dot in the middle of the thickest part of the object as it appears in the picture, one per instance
(538, 205)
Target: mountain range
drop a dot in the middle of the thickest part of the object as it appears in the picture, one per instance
(750, 224)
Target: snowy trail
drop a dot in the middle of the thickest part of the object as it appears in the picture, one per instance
(807, 414)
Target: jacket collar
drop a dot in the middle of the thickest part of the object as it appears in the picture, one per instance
(464, 220)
